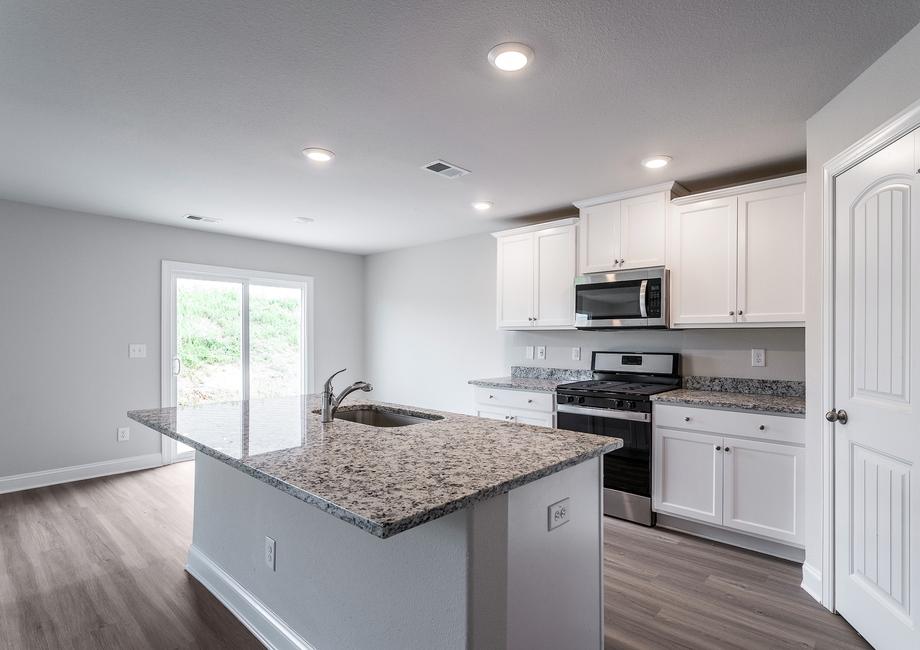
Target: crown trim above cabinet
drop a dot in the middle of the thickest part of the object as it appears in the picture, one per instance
(675, 188)
(735, 190)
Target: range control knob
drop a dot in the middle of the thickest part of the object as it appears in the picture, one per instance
(618, 403)
(630, 405)
(581, 400)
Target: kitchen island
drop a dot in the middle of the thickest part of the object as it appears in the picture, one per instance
(443, 531)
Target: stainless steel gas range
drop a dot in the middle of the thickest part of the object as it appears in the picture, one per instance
(617, 403)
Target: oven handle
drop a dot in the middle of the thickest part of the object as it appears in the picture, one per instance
(642, 308)
(605, 413)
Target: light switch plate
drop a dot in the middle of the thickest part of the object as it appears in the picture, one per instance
(528, 352)
(137, 350)
(558, 514)
(541, 352)
(576, 354)
(758, 358)
(123, 434)
(270, 553)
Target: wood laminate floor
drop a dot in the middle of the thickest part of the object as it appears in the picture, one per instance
(98, 564)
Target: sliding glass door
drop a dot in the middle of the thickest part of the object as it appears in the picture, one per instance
(230, 335)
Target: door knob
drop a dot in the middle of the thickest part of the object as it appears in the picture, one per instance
(836, 416)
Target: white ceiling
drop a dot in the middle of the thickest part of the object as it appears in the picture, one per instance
(151, 110)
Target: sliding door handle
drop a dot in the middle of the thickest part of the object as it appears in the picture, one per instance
(177, 366)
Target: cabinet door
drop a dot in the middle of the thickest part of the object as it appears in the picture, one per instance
(599, 238)
(687, 474)
(705, 252)
(642, 231)
(515, 281)
(764, 486)
(554, 289)
(771, 256)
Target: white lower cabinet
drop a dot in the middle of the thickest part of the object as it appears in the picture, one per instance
(538, 409)
(715, 476)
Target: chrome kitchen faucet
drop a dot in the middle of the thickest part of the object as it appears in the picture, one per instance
(331, 402)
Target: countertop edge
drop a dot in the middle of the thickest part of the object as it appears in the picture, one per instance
(753, 406)
(482, 383)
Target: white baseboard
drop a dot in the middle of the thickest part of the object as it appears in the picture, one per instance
(261, 621)
(78, 472)
(811, 582)
(726, 536)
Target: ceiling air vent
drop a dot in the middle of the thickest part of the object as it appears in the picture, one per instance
(195, 217)
(445, 169)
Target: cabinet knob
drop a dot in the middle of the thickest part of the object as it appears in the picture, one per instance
(762, 427)
(741, 312)
(491, 396)
(727, 450)
(686, 418)
(718, 447)
(731, 313)
(530, 401)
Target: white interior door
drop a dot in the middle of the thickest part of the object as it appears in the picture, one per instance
(877, 376)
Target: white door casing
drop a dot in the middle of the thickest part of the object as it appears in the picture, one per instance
(876, 377)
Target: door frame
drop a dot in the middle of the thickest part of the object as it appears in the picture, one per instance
(171, 269)
(892, 130)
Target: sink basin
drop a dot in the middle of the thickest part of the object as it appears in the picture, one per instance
(380, 417)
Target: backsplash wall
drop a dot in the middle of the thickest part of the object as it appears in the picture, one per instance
(720, 352)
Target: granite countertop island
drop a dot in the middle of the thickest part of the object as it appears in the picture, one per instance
(459, 509)
(384, 480)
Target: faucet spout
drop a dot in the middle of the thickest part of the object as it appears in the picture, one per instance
(331, 402)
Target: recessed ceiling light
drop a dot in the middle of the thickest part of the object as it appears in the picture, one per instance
(318, 155)
(510, 57)
(482, 205)
(656, 162)
(303, 220)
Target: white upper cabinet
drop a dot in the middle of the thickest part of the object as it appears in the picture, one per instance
(737, 256)
(536, 276)
(771, 255)
(599, 238)
(703, 261)
(627, 230)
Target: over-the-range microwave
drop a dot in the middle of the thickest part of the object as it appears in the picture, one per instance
(635, 298)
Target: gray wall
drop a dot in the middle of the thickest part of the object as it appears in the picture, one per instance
(886, 88)
(431, 328)
(78, 288)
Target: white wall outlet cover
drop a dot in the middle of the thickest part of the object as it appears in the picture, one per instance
(576, 354)
(528, 352)
(541, 352)
(123, 434)
(137, 350)
(558, 514)
(758, 358)
(270, 553)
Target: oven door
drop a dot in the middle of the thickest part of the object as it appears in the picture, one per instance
(628, 470)
(624, 299)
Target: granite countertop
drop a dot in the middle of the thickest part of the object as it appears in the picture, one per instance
(383, 480)
(777, 404)
(534, 384)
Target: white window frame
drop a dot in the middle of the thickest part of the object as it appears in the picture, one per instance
(171, 272)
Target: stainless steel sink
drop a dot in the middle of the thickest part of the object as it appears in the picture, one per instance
(382, 417)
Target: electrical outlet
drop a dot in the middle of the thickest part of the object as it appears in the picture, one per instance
(528, 352)
(576, 354)
(558, 514)
(124, 434)
(137, 350)
(541, 352)
(758, 358)
(270, 553)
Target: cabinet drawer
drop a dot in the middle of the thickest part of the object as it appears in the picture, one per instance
(775, 428)
(515, 399)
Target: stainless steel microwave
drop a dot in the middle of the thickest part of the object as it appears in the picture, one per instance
(636, 298)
